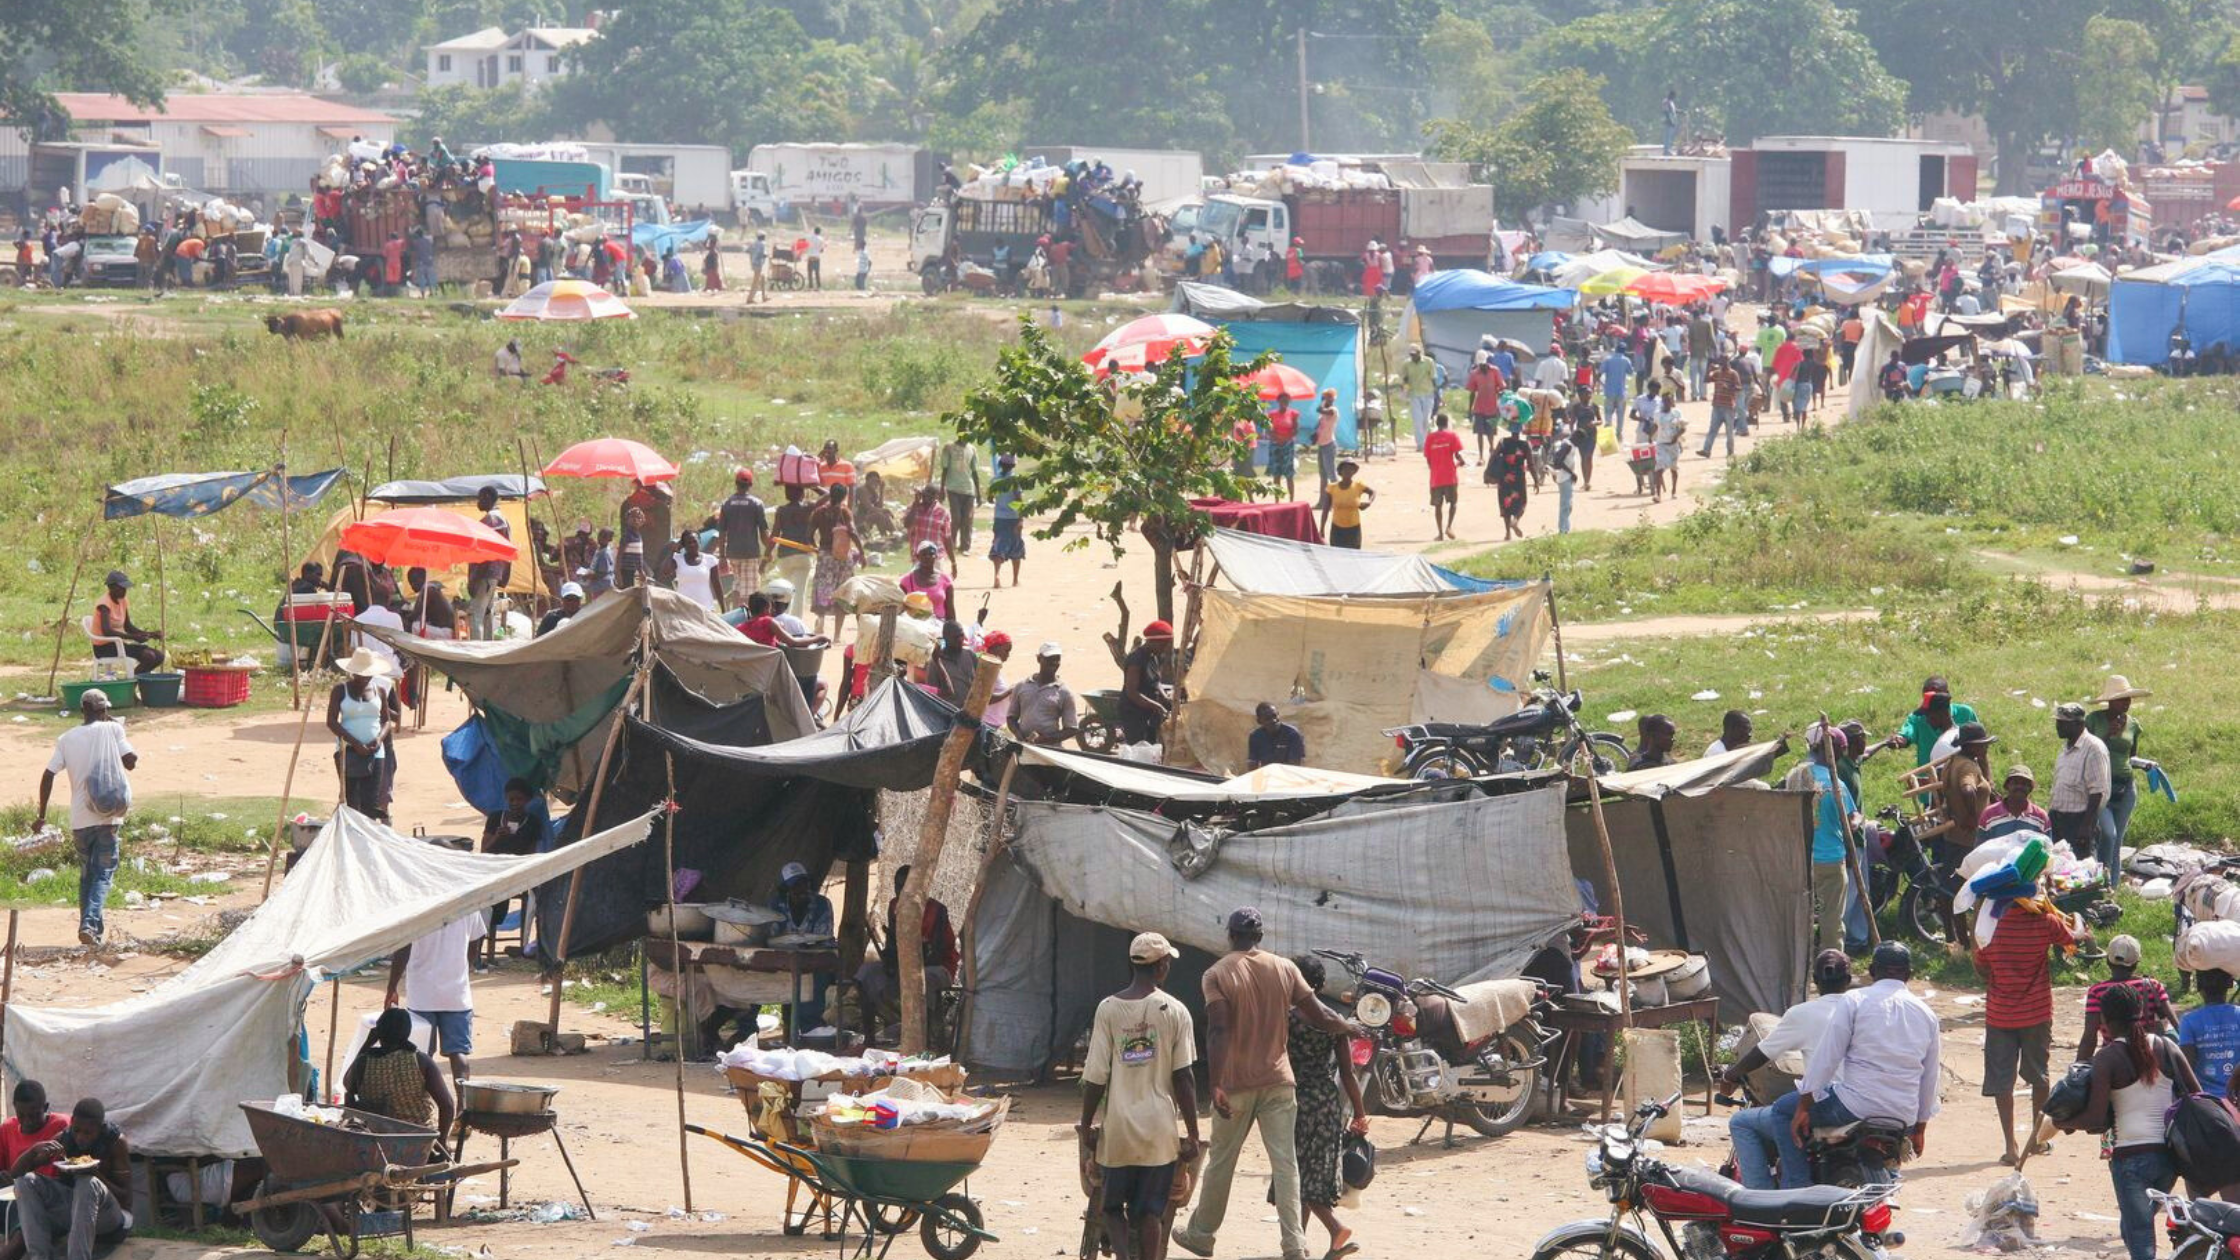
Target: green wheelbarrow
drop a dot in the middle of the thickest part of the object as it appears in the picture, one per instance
(888, 1195)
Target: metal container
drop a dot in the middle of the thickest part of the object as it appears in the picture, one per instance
(693, 923)
(1690, 980)
(737, 923)
(506, 1098)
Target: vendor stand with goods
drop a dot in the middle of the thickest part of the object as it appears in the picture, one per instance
(878, 1143)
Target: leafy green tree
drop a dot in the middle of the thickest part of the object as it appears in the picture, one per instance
(54, 45)
(1082, 463)
(1561, 146)
(465, 115)
(363, 72)
(2120, 59)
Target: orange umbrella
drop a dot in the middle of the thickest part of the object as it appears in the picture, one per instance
(1141, 342)
(427, 538)
(1673, 286)
(611, 457)
(1281, 379)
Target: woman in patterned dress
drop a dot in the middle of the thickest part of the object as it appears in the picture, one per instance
(1507, 470)
(1322, 1065)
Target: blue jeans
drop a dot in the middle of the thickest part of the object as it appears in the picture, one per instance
(1722, 418)
(1855, 935)
(424, 278)
(1699, 365)
(2134, 1174)
(2115, 822)
(1755, 1128)
(1613, 408)
(1563, 506)
(97, 868)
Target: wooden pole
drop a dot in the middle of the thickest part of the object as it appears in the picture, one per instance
(334, 1025)
(8, 977)
(62, 625)
(1610, 877)
(559, 539)
(909, 915)
(287, 586)
(997, 844)
(591, 818)
(1555, 628)
(1828, 736)
(163, 592)
(676, 955)
(288, 785)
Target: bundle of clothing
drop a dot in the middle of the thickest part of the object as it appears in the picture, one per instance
(2022, 870)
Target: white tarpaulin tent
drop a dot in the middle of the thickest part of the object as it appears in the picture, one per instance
(1281, 566)
(173, 1063)
(1268, 783)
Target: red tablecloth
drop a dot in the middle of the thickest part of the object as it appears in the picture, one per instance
(1295, 521)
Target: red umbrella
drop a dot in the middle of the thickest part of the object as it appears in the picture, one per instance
(1673, 286)
(611, 457)
(1152, 338)
(427, 538)
(1281, 379)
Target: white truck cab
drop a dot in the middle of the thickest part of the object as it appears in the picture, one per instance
(753, 200)
(1244, 224)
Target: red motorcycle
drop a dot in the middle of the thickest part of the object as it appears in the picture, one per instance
(1716, 1218)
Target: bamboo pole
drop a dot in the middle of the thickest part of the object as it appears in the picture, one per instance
(910, 913)
(676, 955)
(163, 592)
(1828, 737)
(288, 785)
(590, 820)
(559, 539)
(62, 625)
(997, 845)
(334, 1025)
(8, 976)
(1610, 876)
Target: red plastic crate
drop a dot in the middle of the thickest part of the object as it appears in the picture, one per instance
(216, 688)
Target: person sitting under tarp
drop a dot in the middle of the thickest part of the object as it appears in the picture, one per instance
(76, 1214)
(880, 977)
(112, 627)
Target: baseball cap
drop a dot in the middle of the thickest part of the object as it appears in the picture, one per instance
(94, 698)
(2022, 773)
(1049, 648)
(2123, 951)
(791, 872)
(929, 546)
(744, 476)
(1829, 963)
(1150, 947)
(1892, 955)
(2068, 712)
(571, 588)
(117, 578)
(1244, 919)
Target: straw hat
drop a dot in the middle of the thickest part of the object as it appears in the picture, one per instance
(2117, 687)
(366, 663)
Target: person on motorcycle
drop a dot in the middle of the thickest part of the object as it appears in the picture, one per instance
(1878, 1059)
(1655, 734)
(1757, 1142)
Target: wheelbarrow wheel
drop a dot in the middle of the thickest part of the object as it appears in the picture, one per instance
(1097, 736)
(890, 1220)
(287, 1227)
(944, 1239)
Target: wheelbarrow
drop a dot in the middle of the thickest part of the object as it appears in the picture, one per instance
(1100, 726)
(884, 1197)
(323, 1177)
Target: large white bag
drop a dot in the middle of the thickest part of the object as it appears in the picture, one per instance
(2212, 945)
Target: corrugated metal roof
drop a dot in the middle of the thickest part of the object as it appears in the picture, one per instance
(487, 38)
(87, 108)
(557, 36)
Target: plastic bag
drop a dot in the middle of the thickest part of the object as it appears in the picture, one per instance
(107, 790)
(2002, 1218)
(1606, 440)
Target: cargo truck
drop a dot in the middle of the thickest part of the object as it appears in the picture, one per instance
(999, 235)
(1455, 221)
(1165, 173)
(826, 175)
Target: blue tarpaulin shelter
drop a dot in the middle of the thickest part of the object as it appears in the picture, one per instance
(201, 494)
(1852, 265)
(1322, 341)
(1453, 310)
(2202, 295)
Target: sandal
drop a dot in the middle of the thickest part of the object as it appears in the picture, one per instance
(2008, 1159)
(1342, 1251)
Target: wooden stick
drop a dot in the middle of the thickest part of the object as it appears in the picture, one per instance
(676, 953)
(590, 818)
(1610, 876)
(63, 625)
(163, 594)
(997, 845)
(288, 785)
(8, 977)
(334, 1025)
(1828, 735)
(1555, 627)
(559, 540)
(287, 583)
(909, 915)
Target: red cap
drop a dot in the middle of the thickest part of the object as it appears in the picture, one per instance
(744, 476)
(995, 639)
(1158, 630)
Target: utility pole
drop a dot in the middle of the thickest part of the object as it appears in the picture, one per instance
(1306, 139)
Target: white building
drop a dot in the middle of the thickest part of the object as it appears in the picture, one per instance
(1672, 192)
(491, 58)
(223, 142)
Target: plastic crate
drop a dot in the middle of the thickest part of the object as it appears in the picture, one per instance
(216, 688)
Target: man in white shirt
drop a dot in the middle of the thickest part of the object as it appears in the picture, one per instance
(96, 755)
(1877, 1059)
(2081, 781)
(435, 975)
(1785, 1050)
(388, 618)
(1551, 372)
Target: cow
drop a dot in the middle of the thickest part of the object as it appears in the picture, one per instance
(306, 325)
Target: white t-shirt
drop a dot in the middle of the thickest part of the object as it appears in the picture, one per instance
(387, 619)
(435, 977)
(78, 751)
(696, 579)
(1799, 1032)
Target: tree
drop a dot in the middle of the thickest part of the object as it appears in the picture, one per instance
(1562, 146)
(2120, 61)
(55, 45)
(470, 115)
(1745, 68)
(362, 73)
(1081, 463)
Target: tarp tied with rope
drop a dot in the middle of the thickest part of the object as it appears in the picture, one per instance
(202, 494)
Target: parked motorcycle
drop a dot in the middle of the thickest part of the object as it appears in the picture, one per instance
(1717, 1219)
(2200, 1229)
(1861, 1153)
(1901, 866)
(1430, 1053)
(1544, 733)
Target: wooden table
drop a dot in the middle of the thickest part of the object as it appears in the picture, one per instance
(1575, 1022)
(689, 956)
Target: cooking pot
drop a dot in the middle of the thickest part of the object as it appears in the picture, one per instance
(506, 1098)
(693, 922)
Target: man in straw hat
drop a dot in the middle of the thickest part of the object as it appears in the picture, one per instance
(2080, 781)
(2111, 724)
(1137, 1073)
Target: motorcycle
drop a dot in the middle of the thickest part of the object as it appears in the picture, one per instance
(1896, 859)
(1544, 733)
(1855, 1155)
(2200, 1229)
(1419, 1058)
(1717, 1219)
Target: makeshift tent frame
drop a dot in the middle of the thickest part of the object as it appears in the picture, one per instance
(1344, 669)
(172, 1063)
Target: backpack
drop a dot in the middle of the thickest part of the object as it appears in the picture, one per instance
(2204, 1136)
(2067, 1099)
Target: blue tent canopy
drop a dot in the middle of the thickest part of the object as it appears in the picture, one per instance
(1330, 353)
(1854, 265)
(200, 494)
(1547, 260)
(1483, 291)
(2145, 307)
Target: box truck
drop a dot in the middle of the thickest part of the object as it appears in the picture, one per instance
(827, 174)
